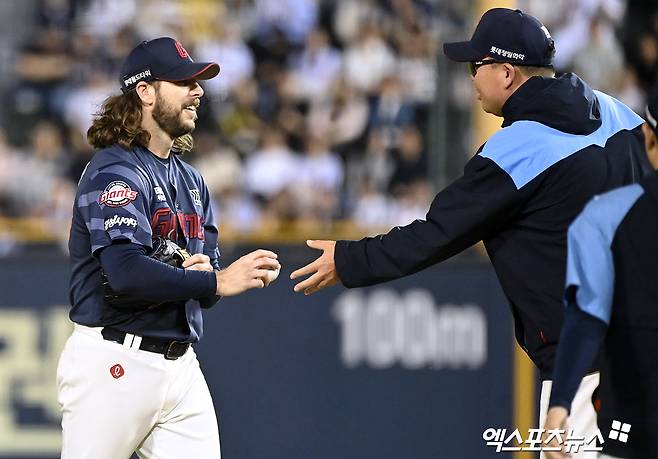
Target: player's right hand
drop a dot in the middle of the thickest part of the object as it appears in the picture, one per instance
(247, 272)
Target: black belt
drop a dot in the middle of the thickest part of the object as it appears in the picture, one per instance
(170, 349)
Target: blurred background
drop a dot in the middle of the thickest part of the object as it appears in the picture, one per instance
(330, 119)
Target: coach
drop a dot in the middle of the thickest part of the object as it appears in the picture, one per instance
(561, 144)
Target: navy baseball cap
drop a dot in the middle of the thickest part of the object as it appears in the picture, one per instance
(162, 59)
(507, 36)
(651, 111)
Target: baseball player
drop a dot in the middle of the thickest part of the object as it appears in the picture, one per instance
(612, 298)
(561, 143)
(128, 380)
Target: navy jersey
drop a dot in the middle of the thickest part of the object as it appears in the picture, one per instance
(611, 276)
(561, 144)
(131, 196)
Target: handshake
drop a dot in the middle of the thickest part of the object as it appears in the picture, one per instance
(260, 268)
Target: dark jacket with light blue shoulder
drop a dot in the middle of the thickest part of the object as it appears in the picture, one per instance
(561, 144)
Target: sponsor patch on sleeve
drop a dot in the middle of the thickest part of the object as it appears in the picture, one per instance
(117, 194)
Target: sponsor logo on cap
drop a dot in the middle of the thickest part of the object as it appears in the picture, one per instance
(117, 194)
(507, 54)
(137, 77)
(118, 220)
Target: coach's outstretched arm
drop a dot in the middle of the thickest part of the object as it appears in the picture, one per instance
(467, 211)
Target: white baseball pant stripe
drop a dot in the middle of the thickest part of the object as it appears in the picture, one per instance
(158, 408)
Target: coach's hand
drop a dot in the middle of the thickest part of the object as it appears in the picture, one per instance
(322, 270)
(247, 272)
(556, 420)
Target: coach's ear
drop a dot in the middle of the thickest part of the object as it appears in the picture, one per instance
(146, 93)
(650, 144)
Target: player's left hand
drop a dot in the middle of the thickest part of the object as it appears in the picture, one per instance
(322, 270)
(198, 262)
(556, 419)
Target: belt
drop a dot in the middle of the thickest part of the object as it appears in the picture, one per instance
(170, 349)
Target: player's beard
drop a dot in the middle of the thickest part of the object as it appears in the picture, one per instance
(168, 117)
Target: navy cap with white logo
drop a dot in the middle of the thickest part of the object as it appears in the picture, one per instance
(162, 59)
(508, 36)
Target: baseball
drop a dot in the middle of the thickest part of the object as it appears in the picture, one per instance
(272, 274)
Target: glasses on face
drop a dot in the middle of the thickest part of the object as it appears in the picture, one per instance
(474, 66)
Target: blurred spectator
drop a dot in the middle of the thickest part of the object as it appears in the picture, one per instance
(341, 117)
(372, 209)
(315, 69)
(271, 170)
(600, 62)
(369, 59)
(80, 103)
(239, 122)
(318, 181)
(107, 17)
(350, 15)
(391, 110)
(417, 67)
(411, 166)
(225, 45)
(294, 18)
(374, 168)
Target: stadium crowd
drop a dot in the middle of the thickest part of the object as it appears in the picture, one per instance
(322, 108)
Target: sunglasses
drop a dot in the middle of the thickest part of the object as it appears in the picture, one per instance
(474, 66)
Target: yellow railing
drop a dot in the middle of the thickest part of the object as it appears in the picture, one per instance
(41, 230)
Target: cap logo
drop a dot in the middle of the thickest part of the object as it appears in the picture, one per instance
(182, 52)
(546, 32)
(507, 54)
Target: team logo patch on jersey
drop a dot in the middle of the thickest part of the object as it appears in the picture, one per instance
(117, 220)
(196, 196)
(118, 194)
(117, 371)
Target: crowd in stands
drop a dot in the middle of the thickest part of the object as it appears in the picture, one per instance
(322, 108)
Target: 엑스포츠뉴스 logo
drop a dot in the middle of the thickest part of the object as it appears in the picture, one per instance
(117, 194)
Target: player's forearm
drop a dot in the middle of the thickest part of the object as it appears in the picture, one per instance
(580, 342)
(130, 271)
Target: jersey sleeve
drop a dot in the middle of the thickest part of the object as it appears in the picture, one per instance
(590, 269)
(590, 263)
(114, 202)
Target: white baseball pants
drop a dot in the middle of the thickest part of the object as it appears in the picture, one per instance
(117, 399)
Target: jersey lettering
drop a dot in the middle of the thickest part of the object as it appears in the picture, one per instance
(166, 224)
